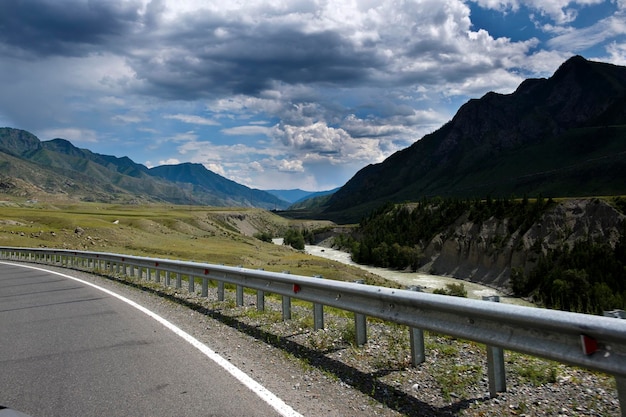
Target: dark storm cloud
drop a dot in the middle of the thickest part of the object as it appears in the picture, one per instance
(212, 54)
(243, 60)
(195, 56)
(65, 28)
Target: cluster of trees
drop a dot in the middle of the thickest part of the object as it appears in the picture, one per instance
(295, 238)
(587, 278)
(264, 236)
(393, 236)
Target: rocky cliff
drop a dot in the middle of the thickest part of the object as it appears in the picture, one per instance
(486, 252)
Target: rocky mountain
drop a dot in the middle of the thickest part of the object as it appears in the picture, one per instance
(57, 169)
(564, 136)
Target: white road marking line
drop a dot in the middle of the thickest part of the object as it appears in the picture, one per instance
(276, 403)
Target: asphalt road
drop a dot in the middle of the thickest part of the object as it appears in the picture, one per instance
(67, 349)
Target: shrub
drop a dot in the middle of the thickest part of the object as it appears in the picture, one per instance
(455, 290)
(264, 236)
(294, 238)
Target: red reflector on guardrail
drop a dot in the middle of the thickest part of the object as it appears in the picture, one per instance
(590, 345)
(296, 288)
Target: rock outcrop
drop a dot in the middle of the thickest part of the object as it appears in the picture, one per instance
(486, 252)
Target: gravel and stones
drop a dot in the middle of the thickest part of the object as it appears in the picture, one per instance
(322, 373)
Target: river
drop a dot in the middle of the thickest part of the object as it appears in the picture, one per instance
(427, 282)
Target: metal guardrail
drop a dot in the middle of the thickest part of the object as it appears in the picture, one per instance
(592, 342)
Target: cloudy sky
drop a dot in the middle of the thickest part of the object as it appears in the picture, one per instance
(277, 93)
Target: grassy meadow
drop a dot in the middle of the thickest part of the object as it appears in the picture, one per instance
(202, 234)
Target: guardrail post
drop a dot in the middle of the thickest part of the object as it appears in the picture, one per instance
(220, 291)
(620, 382)
(167, 278)
(318, 313)
(157, 276)
(205, 287)
(239, 296)
(192, 284)
(621, 393)
(416, 337)
(495, 363)
(179, 280)
(260, 300)
(318, 316)
(286, 304)
(360, 324)
(286, 307)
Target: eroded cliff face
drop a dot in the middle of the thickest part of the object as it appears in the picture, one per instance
(486, 252)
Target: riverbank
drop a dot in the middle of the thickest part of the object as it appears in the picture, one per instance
(426, 282)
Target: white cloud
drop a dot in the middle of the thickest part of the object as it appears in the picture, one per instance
(579, 39)
(256, 166)
(127, 118)
(317, 136)
(251, 130)
(72, 134)
(217, 168)
(617, 53)
(192, 119)
(290, 166)
(560, 11)
(170, 161)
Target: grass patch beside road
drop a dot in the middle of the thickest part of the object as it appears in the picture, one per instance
(204, 234)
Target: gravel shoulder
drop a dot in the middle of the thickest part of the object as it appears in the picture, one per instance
(321, 373)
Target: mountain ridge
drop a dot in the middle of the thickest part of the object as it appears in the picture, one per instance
(550, 136)
(58, 168)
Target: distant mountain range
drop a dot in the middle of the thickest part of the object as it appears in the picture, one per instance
(297, 195)
(57, 169)
(564, 136)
